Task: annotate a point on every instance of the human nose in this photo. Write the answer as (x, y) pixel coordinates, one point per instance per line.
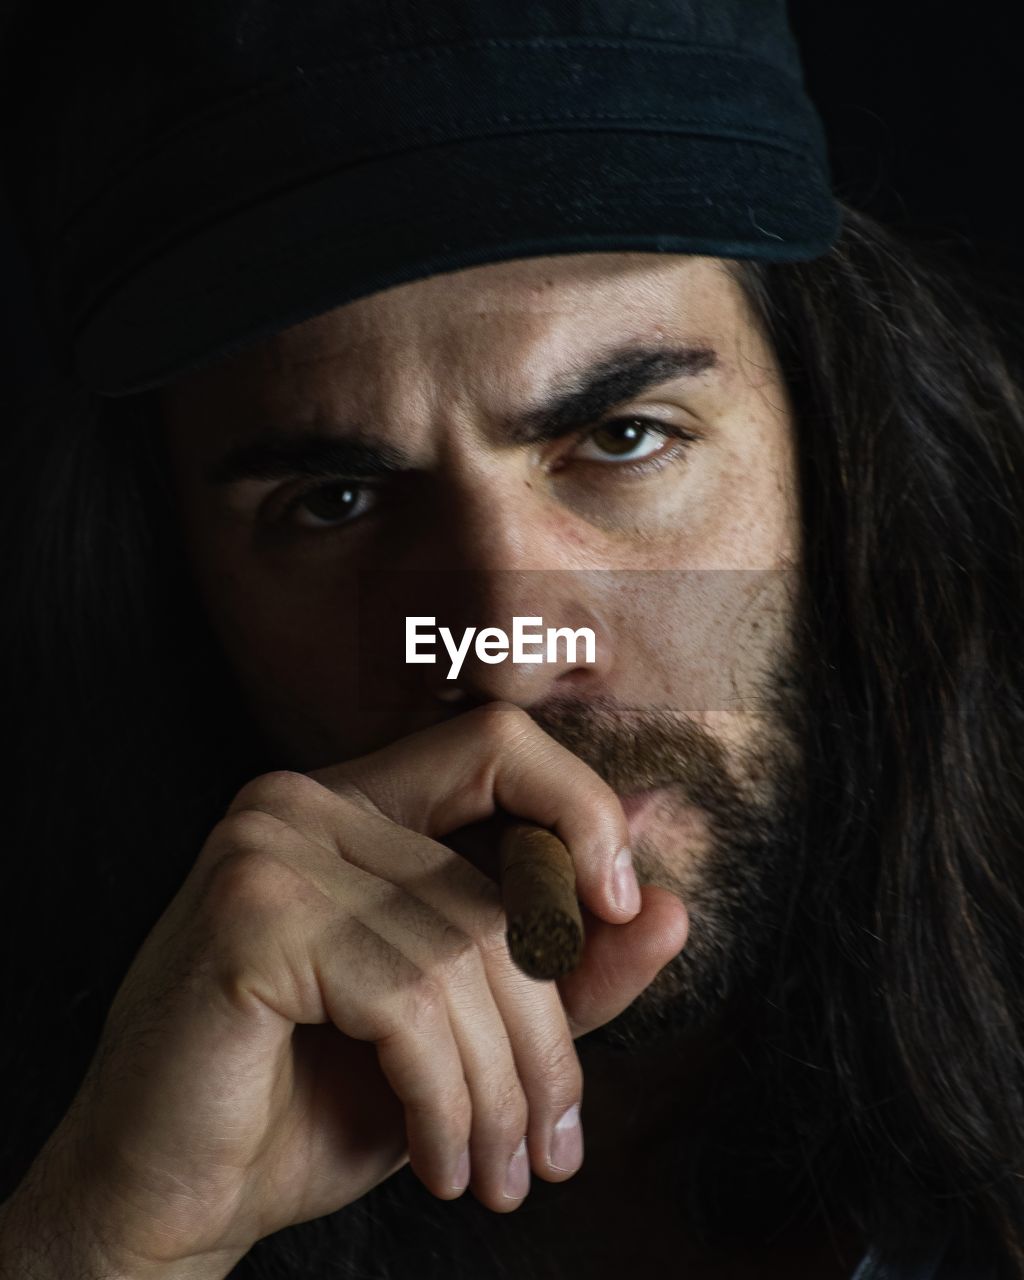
(514, 554)
(527, 634)
(496, 555)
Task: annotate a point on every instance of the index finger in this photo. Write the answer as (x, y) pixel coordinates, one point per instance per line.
(496, 757)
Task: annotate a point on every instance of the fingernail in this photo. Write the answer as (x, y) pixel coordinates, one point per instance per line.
(461, 1180)
(517, 1180)
(566, 1152)
(625, 886)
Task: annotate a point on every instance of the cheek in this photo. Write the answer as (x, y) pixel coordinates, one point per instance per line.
(707, 622)
(733, 505)
(700, 642)
(750, 516)
(292, 648)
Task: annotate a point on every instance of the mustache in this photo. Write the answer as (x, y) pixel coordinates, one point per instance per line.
(634, 749)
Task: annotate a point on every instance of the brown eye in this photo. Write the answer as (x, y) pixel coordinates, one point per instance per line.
(329, 505)
(622, 438)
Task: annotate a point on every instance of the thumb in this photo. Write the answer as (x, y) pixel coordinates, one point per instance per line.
(620, 960)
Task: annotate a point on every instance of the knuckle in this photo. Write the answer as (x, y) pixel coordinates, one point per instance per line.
(391, 996)
(424, 1001)
(344, 793)
(458, 958)
(453, 1102)
(250, 882)
(490, 937)
(278, 790)
(499, 723)
(509, 1110)
(560, 1067)
(249, 830)
(464, 951)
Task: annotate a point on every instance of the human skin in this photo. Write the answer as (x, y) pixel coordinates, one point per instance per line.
(269, 930)
(432, 370)
(679, 553)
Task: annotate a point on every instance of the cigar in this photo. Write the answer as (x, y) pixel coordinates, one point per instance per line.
(538, 887)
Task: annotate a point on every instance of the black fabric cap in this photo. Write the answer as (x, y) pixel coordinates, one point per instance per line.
(241, 166)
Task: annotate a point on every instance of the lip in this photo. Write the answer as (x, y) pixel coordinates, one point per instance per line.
(639, 806)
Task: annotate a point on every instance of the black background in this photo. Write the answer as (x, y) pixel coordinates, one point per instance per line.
(922, 105)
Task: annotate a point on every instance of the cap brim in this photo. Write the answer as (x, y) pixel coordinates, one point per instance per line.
(443, 208)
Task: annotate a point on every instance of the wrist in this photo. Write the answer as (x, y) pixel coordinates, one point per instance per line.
(37, 1243)
(47, 1234)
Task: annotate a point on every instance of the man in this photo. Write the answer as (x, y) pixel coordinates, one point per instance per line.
(752, 454)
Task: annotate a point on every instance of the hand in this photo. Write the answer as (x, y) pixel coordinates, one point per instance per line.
(330, 994)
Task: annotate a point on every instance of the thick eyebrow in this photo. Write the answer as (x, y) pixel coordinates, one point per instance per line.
(593, 391)
(311, 454)
(588, 394)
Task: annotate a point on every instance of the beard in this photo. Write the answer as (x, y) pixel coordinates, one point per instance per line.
(740, 884)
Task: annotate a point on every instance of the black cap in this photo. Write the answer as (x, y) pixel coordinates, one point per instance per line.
(211, 171)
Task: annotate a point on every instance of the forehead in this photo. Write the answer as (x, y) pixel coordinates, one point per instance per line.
(488, 329)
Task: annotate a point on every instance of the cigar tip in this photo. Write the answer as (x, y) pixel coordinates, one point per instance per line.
(546, 945)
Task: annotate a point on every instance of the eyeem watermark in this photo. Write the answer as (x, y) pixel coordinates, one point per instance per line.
(493, 645)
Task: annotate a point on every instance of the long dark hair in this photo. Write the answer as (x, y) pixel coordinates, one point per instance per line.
(911, 941)
(885, 1046)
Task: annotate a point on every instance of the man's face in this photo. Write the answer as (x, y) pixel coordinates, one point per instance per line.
(600, 440)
